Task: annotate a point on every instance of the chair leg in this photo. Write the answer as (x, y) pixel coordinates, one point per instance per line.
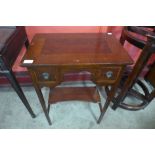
(48, 109)
(27, 44)
(151, 96)
(19, 91)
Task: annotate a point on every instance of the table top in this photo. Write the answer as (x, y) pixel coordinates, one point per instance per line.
(75, 49)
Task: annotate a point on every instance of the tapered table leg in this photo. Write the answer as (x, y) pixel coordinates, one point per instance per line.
(103, 110)
(40, 96)
(110, 95)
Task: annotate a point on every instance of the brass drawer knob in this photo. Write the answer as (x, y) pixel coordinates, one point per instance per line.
(45, 75)
(109, 74)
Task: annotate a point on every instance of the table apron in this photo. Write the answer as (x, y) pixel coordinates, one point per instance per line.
(51, 76)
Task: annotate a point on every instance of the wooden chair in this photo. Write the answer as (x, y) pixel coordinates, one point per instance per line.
(150, 77)
(12, 39)
(143, 38)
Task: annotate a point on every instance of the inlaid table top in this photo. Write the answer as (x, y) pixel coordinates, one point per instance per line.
(75, 49)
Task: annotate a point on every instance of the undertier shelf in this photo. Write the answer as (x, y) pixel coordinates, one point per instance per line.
(60, 94)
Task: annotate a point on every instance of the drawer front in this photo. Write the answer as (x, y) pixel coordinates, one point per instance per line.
(108, 74)
(45, 74)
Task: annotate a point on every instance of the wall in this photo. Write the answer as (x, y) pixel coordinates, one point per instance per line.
(32, 30)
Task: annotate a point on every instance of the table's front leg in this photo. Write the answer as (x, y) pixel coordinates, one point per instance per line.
(107, 103)
(110, 94)
(40, 95)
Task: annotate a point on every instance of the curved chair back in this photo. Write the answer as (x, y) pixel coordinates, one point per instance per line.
(143, 38)
(136, 35)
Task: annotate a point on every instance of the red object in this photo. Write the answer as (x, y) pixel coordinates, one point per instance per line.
(32, 30)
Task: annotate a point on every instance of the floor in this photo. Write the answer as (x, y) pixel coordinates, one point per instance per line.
(68, 115)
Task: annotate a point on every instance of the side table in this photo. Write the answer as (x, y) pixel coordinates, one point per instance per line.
(51, 56)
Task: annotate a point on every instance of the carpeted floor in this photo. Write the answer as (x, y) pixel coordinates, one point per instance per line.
(68, 115)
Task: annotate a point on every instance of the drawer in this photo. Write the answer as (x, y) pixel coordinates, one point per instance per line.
(99, 75)
(108, 74)
(45, 74)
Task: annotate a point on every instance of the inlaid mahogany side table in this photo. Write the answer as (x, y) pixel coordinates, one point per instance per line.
(51, 56)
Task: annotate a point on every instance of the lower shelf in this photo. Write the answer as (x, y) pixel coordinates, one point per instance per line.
(60, 94)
